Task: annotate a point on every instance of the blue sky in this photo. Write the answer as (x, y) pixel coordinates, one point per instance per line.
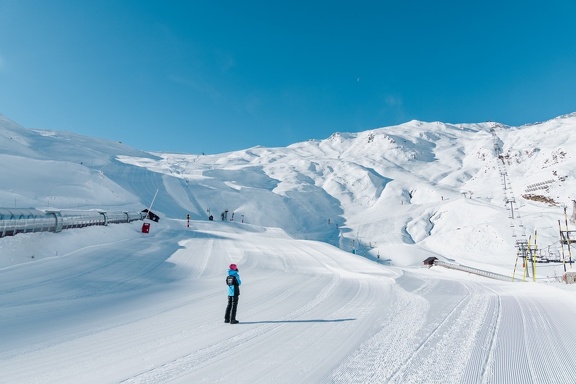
(216, 76)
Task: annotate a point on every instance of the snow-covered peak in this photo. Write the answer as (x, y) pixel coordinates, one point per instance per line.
(386, 186)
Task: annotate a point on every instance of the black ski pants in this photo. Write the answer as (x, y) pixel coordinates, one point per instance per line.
(230, 314)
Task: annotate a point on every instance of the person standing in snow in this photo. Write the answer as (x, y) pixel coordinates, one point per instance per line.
(233, 281)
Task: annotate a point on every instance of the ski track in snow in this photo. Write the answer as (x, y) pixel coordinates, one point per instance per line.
(354, 306)
(186, 363)
(151, 312)
(115, 305)
(536, 338)
(467, 338)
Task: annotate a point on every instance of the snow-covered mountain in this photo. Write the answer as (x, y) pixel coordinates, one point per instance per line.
(111, 304)
(401, 190)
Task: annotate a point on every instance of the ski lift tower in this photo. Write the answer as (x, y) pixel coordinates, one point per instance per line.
(511, 201)
(568, 238)
(565, 238)
(528, 252)
(523, 253)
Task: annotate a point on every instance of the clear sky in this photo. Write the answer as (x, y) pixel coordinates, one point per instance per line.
(215, 76)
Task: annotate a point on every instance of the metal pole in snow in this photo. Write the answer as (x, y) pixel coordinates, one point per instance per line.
(534, 256)
(526, 259)
(152, 203)
(516, 263)
(562, 245)
(568, 237)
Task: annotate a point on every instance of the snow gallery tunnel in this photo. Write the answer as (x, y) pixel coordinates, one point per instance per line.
(24, 220)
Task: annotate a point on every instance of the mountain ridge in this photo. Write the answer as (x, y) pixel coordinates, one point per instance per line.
(410, 185)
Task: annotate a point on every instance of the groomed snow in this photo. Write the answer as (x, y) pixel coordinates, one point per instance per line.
(148, 308)
(115, 305)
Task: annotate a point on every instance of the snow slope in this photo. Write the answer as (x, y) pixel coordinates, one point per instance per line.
(141, 308)
(381, 192)
(111, 304)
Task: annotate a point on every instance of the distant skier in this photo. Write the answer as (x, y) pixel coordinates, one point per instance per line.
(233, 282)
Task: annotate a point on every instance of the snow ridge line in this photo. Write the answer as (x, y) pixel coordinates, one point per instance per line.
(457, 342)
(206, 256)
(493, 330)
(428, 338)
(180, 366)
(395, 352)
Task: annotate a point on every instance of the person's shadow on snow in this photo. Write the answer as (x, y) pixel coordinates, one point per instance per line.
(296, 321)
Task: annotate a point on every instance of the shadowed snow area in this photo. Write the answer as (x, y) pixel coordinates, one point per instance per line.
(329, 236)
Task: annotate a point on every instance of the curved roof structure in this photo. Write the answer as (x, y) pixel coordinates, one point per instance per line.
(20, 213)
